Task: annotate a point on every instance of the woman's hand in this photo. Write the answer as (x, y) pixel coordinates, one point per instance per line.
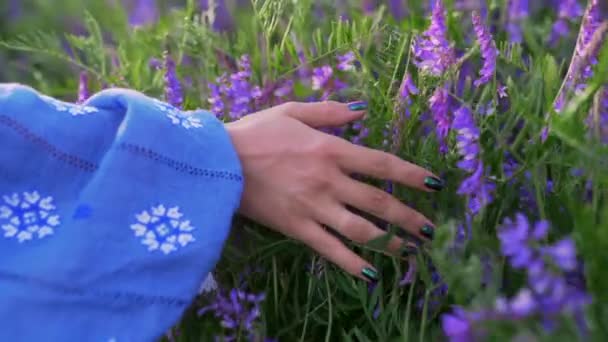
(297, 179)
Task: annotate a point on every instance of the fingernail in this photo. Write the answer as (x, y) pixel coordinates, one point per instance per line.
(434, 183)
(428, 231)
(409, 250)
(370, 273)
(356, 106)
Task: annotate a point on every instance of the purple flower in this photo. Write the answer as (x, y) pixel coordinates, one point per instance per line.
(346, 61)
(284, 89)
(476, 187)
(502, 91)
(456, 326)
(585, 54)
(321, 77)
(173, 89)
(83, 87)
(368, 6)
(548, 291)
(488, 51)
(433, 53)
(362, 133)
(215, 99)
(155, 63)
(467, 139)
(523, 304)
(518, 10)
(235, 92)
(439, 104)
(397, 9)
(407, 88)
(222, 19)
(563, 253)
(569, 10)
(237, 310)
(408, 278)
(143, 13)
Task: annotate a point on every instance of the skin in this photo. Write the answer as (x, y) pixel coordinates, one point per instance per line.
(297, 179)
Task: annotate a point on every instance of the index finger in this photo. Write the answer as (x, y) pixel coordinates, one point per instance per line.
(358, 159)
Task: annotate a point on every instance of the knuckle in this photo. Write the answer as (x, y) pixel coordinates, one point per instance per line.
(290, 106)
(380, 202)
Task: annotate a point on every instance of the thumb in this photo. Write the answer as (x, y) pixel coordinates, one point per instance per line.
(327, 113)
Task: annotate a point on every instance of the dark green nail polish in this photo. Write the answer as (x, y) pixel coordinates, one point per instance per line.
(409, 250)
(370, 273)
(428, 231)
(356, 106)
(434, 183)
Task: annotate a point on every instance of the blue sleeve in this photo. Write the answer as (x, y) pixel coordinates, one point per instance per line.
(111, 214)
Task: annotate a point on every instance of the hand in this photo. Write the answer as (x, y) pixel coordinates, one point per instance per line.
(297, 179)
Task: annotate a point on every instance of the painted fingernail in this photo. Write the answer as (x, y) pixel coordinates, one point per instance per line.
(434, 183)
(356, 106)
(370, 273)
(409, 250)
(428, 231)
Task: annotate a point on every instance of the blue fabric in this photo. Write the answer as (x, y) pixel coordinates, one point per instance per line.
(111, 214)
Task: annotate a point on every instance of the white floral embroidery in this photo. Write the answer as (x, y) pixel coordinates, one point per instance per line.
(74, 109)
(177, 117)
(209, 284)
(27, 216)
(161, 229)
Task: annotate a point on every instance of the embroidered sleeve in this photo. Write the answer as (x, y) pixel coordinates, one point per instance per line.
(112, 213)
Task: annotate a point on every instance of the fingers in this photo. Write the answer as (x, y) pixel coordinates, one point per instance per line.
(325, 114)
(381, 165)
(384, 206)
(328, 246)
(355, 227)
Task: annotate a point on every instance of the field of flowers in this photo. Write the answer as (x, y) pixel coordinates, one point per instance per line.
(505, 99)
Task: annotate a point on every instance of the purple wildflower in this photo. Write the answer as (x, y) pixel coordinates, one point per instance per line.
(397, 9)
(362, 133)
(155, 63)
(412, 268)
(284, 89)
(457, 326)
(368, 6)
(568, 10)
(173, 90)
(83, 87)
(143, 13)
(235, 92)
(488, 50)
(433, 53)
(548, 291)
(502, 92)
(238, 311)
(476, 187)
(346, 61)
(439, 106)
(222, 19)
(407, 88)
(585, 53)
(518, 10)
(321, 76)
(215, 99)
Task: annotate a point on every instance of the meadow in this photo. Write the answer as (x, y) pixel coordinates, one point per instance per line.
(507, 100)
